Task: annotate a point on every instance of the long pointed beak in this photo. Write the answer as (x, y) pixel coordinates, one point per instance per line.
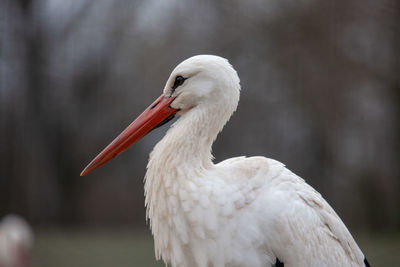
(155, 115)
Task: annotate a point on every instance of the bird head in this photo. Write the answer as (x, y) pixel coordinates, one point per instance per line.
(202, 82)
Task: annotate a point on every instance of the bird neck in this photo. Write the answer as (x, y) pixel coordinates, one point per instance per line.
(184, 154)
(189, 140)
(181, 158)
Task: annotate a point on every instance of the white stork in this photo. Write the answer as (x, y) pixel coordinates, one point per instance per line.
(16, 240)
(239, 212)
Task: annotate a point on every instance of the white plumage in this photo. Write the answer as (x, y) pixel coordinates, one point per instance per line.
(241, 211)
(16, 240)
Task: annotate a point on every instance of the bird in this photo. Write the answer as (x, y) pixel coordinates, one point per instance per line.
(243, 211)
(16, 241)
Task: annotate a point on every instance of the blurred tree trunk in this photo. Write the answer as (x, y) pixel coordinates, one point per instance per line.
(37, 134)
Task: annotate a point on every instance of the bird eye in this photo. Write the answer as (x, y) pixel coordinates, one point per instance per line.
(178, 82)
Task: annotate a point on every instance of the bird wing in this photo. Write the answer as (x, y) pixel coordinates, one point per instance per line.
(304, 229)
(300, 227)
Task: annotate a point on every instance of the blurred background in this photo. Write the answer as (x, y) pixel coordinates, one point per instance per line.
(320, 93)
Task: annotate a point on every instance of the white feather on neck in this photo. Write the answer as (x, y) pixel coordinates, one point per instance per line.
(175, 182)
(188, 141)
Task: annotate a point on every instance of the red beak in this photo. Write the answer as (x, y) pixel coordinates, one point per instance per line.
(155, 115)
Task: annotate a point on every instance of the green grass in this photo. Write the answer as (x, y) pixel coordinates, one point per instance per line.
(381, 249)
(59, 248)
(93, 248)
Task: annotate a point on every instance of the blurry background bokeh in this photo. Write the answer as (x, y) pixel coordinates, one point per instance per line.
(320, 93)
